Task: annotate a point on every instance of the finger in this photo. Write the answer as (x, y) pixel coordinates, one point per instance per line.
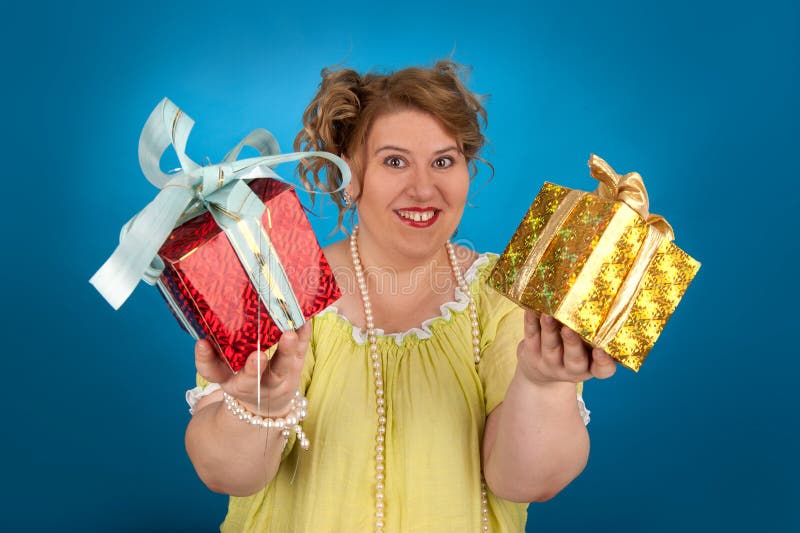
(603, 365)
(290, 349)
(552, 345)
(532, 327)
(297, 357)
(576, 357)
(255, 365)
(304, 336)
(244, 383)
(209, 364)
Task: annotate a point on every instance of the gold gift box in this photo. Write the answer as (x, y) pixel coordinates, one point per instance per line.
(599, 263)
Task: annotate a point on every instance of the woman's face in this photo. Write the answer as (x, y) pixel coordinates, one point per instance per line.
(415, 183)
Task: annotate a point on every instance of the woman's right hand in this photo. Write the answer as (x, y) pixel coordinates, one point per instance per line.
(279, 378)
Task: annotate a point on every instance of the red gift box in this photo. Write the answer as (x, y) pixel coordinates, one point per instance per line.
(209, 290)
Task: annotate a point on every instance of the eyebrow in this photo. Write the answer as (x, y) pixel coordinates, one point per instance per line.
(406, 151)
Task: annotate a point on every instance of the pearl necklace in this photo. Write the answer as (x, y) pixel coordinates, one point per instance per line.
(377, 372)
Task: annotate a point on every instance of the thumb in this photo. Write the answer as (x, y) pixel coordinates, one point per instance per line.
(210, 365)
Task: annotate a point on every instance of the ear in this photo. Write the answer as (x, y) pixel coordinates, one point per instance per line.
(353, 188)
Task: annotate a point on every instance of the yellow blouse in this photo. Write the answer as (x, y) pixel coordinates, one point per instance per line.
(437, 403)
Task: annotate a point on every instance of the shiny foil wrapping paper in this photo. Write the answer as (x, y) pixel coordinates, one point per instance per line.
(212, 296)
(597, 265)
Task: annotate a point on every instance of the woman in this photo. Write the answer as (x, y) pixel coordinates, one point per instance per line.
(433, 403)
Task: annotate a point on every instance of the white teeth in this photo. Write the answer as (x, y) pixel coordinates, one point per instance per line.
(417, 216)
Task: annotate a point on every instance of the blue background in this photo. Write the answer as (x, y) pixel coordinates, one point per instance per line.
(700, 97)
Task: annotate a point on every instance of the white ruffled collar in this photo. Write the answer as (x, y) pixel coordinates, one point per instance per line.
(424, 330)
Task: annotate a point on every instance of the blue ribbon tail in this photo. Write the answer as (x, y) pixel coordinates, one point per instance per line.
(141, 239)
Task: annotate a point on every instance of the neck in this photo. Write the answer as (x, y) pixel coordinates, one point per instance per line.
(376, 254)
(391, 273)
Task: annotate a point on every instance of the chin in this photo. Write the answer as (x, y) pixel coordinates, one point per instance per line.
(412, 242)
(423, 243)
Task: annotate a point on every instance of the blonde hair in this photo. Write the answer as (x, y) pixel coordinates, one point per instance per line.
(339, 117)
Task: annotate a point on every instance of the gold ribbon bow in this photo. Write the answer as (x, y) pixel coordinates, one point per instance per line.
(629, 189)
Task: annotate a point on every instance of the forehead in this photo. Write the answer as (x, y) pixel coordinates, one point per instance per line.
(410, 129)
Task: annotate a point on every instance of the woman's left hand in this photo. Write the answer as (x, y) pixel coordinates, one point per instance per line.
(551, 352)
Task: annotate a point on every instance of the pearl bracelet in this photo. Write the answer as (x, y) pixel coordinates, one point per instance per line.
(287, 424)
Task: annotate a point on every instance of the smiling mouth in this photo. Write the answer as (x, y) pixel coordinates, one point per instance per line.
(418, 218)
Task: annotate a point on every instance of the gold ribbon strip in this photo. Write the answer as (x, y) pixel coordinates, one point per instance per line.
(543, 242)
(630, 190)
(626, 296)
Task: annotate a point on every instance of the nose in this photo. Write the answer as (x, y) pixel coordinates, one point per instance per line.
(421, 184)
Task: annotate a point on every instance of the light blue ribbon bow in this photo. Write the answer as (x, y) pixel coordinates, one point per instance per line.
(220, 189)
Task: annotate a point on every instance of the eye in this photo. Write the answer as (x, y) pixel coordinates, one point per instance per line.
(443, 162)
(394, 161)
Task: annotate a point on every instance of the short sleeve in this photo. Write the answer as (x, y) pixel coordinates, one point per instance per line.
(502, 328)
(501, 323)
(499, 359)
(202, 388)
